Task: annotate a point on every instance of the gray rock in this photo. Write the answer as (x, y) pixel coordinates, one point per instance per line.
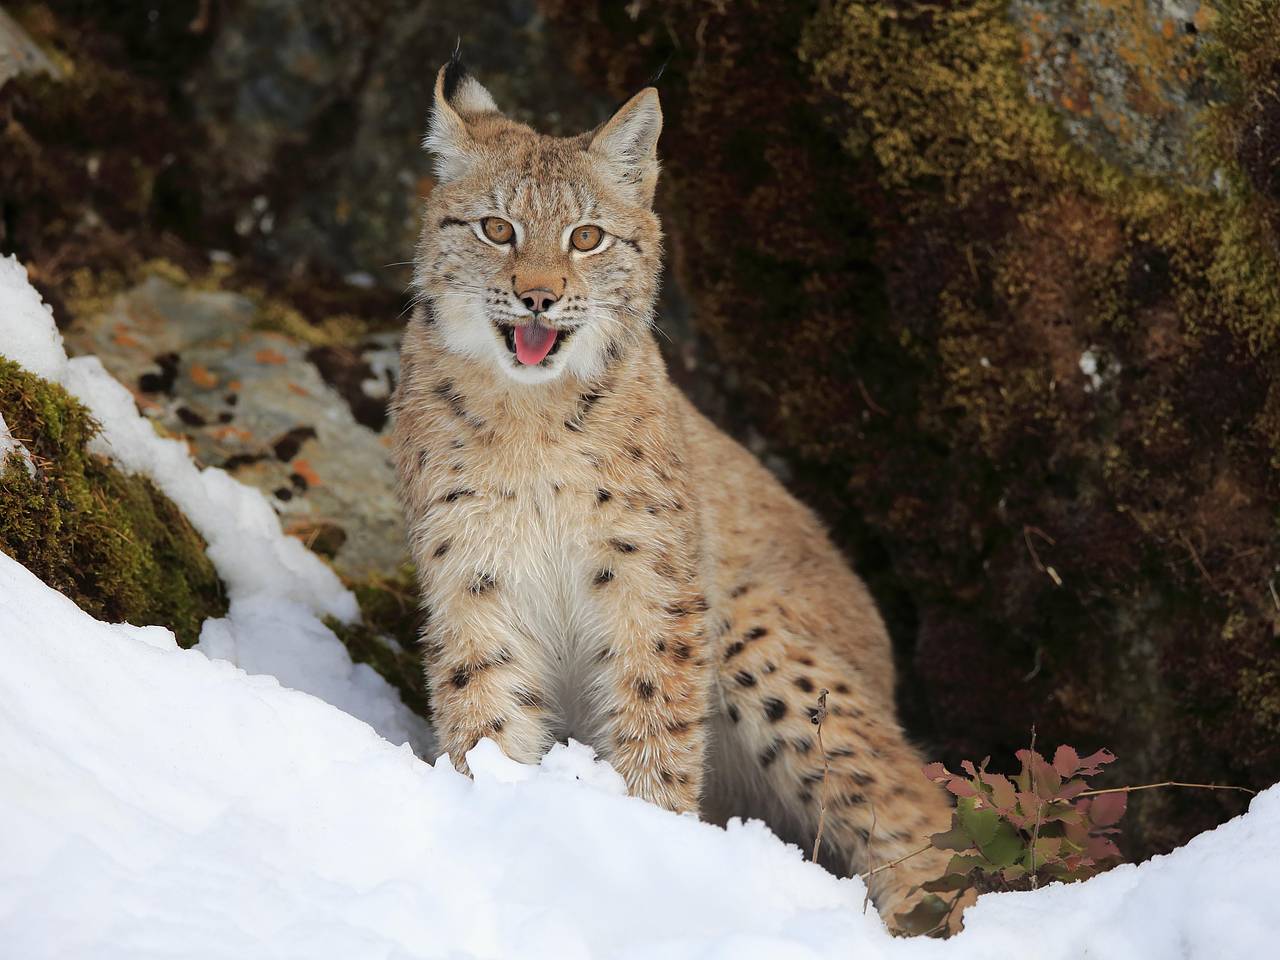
(1126, 78)
(20, 54)
(248, 400)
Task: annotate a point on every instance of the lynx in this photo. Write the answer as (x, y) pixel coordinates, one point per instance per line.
(597, 560)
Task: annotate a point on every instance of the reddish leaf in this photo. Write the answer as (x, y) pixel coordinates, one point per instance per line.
(1093, 763)
(1066, 761)
(1046, 780)
(968, 767)
(1003, 796)
(1108, 808)
(935, 771)
(961, 787)
(1100, 848)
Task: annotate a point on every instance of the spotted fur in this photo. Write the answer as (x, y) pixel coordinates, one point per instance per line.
(599, 560)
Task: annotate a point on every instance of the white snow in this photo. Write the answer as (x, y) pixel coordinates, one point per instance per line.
(155, 802)
(278, 589)
(11, 444)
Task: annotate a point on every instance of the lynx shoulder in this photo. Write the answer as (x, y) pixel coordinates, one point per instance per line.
(596, 559)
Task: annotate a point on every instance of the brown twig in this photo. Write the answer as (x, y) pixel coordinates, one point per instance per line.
(1035, 833)
(1195, 557)
(871, 834)
(1051, 573)
(893, 863)
(871, 404)
(1167, 783)
(826, 769)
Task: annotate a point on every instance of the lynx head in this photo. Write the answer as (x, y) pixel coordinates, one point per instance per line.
(539, 254)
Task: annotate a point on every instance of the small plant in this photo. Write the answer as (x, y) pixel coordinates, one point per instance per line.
(1008, 833)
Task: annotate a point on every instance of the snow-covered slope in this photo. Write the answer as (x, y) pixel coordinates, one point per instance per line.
(155, 802)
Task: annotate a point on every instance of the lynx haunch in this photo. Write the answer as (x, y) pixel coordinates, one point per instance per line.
(596, 559)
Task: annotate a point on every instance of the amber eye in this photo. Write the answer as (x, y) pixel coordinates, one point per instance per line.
(586, 238)
(497, 229)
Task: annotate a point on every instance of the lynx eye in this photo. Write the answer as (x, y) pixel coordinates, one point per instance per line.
(497, 229)
(586, 238)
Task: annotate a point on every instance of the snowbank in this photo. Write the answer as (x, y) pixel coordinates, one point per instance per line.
(155, 803)
(278, 589)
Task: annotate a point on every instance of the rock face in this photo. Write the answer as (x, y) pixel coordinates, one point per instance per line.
(315, 114)
(249, 400)
(961, 263)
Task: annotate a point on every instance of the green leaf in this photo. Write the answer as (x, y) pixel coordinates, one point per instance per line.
(924, 917)
(957, 838)
(1005, 847)
(980, 823)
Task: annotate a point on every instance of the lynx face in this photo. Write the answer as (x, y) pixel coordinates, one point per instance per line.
(539, 254)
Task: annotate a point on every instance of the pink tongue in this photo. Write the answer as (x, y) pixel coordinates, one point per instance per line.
(534, 342)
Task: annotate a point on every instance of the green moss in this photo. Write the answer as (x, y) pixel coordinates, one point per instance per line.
(386, 637)
(111, 542)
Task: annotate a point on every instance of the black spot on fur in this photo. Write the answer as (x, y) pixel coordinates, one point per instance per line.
(733, 713)
(441, 550)
(739, 591)
(622, 546)
(461, 677)
(603, 496)
(842, 688)
(770, 753)
(682, 651)
(495, 726)
(802, 745)
(774, 709)
(604, 576)
(660, 646)
(452, 222)
(755, 633)
(745, 679)
(454, 495)
(527, 698)
(805, 684)
(645, 689)
(483, 583)
(861, 778)
(635, 453)
(733, 649)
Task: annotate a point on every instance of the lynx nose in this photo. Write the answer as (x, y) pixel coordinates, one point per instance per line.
(538, 299)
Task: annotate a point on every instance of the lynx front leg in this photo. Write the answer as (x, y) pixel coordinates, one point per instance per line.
(483, 682)
(657, 682)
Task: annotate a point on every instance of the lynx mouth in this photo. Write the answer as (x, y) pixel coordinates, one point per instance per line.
(532, 343)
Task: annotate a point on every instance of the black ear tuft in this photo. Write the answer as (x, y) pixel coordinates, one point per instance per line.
(455, 71)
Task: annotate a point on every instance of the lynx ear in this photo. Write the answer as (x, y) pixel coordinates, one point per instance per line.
(628, 143)
(459, 97)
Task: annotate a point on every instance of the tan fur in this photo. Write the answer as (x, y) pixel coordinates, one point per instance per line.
(597, 560)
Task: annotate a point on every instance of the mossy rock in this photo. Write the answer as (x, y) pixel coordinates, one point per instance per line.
(386, 637)
(110, 541)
